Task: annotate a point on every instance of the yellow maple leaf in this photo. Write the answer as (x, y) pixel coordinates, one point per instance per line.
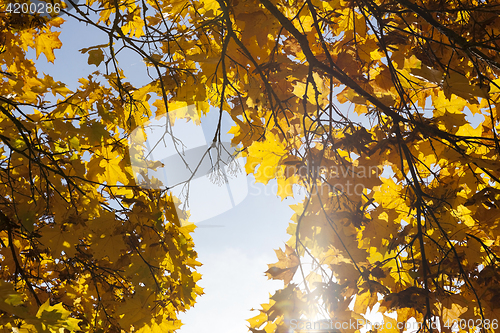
(46, 43)
(267, 154)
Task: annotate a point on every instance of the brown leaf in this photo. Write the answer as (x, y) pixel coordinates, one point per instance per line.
(286, 266)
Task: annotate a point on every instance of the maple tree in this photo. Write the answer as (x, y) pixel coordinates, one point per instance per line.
(83, 247)
(402, 209)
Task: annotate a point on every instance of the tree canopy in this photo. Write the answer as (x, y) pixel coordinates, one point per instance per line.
(384, 111)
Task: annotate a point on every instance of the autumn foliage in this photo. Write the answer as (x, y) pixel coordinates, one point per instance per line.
(384, 112)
